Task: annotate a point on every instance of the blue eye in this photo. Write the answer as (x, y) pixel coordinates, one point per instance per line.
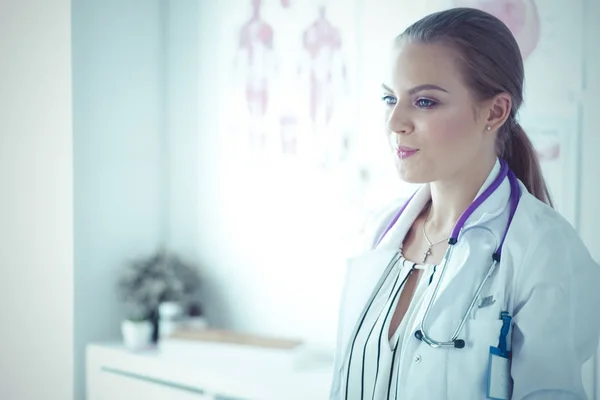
(389, 100)
(425, 103)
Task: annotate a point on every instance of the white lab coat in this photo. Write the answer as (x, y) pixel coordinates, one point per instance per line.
(546, 280)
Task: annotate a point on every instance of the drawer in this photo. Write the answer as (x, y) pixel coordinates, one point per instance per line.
(117, 385)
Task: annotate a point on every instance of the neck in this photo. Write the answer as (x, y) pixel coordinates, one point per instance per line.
(450, 198)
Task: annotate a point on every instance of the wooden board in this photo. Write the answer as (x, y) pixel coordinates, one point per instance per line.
(229, 337)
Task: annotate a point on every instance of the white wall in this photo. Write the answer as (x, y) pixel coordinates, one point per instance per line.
(270, 237)
(589, 197)
(120, 192)
(36, 215)
(182, 64)
(589, 217)
(212, 237)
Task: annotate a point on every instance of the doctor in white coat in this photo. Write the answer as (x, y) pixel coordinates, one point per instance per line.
(419, 320)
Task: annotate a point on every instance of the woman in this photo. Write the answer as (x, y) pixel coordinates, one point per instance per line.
(452, 100)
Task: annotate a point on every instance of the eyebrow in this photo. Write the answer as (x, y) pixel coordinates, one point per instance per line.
(419, 88)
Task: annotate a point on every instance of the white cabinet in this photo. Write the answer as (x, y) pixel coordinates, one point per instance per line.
(186, 372)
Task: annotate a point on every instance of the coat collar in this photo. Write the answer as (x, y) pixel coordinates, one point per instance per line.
(490, 209)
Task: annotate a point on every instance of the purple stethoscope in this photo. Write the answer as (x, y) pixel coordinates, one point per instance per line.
(515, 194)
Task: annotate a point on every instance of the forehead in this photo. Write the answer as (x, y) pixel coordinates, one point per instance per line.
(417, 64)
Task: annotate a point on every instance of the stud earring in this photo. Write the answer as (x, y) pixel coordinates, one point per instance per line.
(488, 128)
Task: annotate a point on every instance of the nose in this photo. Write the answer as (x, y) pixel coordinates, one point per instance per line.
(399, 123)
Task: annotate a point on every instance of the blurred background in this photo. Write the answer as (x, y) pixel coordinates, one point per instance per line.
(238, 141)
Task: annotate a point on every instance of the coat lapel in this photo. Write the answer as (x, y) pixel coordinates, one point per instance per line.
(366, 273)
(364, 276)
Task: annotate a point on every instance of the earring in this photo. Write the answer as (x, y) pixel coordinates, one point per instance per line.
(488, 128)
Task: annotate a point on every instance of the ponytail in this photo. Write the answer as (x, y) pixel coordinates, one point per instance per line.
(514, 146)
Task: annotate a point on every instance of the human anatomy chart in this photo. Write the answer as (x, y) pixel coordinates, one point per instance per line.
(324, 70)
(292, 77)
(255, 61)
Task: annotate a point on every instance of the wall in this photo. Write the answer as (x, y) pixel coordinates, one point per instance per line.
(268, 234)
(589, 198)
(589, 215)
(120, 195)
(36, 215)
(182, 64)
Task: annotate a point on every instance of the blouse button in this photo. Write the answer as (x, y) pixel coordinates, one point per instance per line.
(417, 359)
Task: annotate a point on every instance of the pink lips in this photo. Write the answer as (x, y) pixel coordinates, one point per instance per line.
(405, 152)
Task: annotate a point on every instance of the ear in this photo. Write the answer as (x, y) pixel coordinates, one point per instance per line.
(498, 111)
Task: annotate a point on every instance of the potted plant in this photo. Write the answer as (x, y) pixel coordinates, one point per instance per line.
(137, 327)
(148, 281)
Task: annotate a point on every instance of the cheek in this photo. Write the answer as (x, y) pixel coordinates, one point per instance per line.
(451, 130)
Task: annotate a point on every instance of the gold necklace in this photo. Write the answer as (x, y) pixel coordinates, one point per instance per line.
(429, 242)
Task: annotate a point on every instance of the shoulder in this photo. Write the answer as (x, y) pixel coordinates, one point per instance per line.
(535, 214)
(537, 226)
(379, 221)
(546, 248)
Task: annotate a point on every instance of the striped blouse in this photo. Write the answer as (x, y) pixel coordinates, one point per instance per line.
(371, 369)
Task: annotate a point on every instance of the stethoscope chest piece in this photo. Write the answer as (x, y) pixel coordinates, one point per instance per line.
(457, 343)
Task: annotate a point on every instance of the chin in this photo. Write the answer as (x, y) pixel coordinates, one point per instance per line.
(413, 176)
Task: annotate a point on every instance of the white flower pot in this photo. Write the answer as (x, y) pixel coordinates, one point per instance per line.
(136, 335)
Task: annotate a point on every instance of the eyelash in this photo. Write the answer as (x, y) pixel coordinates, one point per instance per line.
(387, 99)
(431, 103)
(391, 100)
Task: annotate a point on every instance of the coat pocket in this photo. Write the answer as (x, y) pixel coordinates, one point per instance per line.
(468, 367)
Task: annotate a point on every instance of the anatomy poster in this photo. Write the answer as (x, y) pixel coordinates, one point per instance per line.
(291, 78)
(520, 16)
(556, 139)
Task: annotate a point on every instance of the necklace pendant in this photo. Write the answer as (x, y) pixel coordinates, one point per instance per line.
(427, 254)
